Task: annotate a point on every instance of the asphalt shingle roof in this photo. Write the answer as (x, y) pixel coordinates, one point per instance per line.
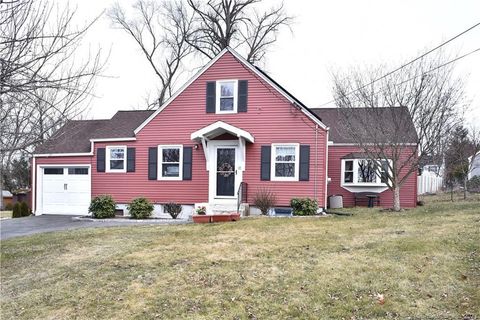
(75, 135)
(390, 124)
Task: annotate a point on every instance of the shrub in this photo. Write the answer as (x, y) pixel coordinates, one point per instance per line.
(173, 209)
(140, 208)
(17, 212)
(9, 206)
(264, 199)
(102, 207)
(24, 209)
(304, 206)
(473, 185)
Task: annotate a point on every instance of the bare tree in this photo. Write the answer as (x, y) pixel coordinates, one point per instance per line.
(235, 23)
(160, 30)
(43, 80)
(429, 94)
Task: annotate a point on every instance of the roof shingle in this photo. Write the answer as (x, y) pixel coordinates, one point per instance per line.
(75, 135)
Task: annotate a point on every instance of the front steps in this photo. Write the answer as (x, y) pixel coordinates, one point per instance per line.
(224, 208)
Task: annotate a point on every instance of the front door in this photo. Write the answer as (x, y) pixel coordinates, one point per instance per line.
(225, 171)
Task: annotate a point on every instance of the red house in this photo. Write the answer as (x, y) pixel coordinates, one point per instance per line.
(229, 131)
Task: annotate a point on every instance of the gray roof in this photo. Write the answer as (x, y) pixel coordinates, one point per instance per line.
(75, 135)
(389, 124)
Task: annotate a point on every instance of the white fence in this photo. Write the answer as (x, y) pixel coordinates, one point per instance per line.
(429, 183)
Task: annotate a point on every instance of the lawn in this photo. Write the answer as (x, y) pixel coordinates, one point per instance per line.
(422, 264)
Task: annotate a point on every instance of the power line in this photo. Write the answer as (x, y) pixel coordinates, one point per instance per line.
(408, 63)
(426, 72)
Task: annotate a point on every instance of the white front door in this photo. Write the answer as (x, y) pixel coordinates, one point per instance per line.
(225, 170)
(64, 190)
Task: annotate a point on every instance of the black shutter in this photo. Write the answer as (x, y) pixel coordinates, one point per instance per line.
(242, 95)
(265, 163)
(130, 159)
(304, 163)
(187, 163)
(101, 160)
(211, 88)
(152, 163)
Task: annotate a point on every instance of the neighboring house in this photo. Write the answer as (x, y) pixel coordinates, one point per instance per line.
(229, 128)
(7, 197)
(475, 166)
(348, 168)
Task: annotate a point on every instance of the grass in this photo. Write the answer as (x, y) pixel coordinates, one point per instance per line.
(425, 262)
(5, 214)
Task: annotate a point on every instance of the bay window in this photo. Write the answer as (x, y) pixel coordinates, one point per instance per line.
(364, 172)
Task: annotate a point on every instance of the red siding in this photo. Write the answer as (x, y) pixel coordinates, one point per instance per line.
(270, 118)
(408, 192)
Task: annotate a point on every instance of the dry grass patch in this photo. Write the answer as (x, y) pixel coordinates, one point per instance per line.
(424, 262)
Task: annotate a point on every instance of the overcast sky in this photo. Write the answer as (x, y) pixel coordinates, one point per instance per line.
(326, 35)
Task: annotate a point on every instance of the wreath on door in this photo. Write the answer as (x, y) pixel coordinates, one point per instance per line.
(225, 169)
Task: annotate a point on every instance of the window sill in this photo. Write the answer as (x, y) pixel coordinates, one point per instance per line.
(284, 179)
(170, 179)
(115, 171)
(373, 185)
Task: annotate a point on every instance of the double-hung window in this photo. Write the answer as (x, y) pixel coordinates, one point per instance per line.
(285, 160)
(170, 164)
(116, 158)
(226, 94)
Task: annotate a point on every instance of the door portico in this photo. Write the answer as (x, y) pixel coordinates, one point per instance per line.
(225, 160)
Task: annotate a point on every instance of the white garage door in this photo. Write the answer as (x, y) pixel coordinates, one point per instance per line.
(65, 190)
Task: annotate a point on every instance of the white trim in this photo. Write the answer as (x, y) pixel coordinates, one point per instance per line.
(179, 91)
(248, 65)
(34, 183)
(366, 144)
(113, 139)
(297, 162)
(38, 209)
(356, 186)
(199, 134)
(38, 155)
(107, 159)
(218, 96)
(212, 146)
(160, 161)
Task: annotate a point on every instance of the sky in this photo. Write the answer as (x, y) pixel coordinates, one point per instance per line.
(325, 36)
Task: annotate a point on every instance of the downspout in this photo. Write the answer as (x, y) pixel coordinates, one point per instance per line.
(326, 169)
(315, 193)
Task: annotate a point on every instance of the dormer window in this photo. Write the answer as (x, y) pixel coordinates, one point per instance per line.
(227, 93)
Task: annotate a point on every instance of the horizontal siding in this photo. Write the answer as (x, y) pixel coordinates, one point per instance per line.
(408, 192)
(270, 118)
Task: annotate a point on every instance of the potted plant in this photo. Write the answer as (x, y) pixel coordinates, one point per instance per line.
(201, 216)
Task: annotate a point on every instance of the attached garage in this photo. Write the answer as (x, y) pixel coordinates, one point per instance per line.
(64, 190)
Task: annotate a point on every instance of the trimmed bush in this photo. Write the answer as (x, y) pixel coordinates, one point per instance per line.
(17, 212)
(102, 207)
(9, 206)
(24, 209)
(304, 206)
(264, 200)
(173, 209)
(140, 208)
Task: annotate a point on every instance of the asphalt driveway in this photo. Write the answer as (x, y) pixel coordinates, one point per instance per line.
(10, 228)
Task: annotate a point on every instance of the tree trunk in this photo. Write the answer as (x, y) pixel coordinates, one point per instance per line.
(451, 193)
(464, 189)
(396, 199)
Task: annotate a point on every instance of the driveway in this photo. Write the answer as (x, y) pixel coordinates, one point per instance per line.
(10, 228)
